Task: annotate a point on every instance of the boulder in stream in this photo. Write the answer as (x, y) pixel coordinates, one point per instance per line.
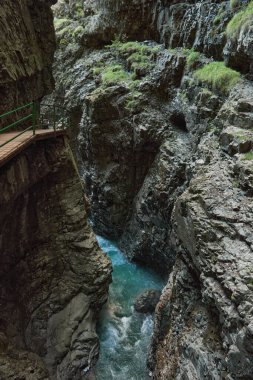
(147, 301)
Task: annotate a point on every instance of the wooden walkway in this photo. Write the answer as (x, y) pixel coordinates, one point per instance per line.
(16, 146)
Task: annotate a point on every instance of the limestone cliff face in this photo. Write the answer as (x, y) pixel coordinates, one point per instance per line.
(54, 277)
(167, 160)
(27, 43)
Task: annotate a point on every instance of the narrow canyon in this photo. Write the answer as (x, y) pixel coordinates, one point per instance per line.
(126, 243)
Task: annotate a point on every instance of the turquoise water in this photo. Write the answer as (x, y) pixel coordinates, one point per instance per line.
(124, 334)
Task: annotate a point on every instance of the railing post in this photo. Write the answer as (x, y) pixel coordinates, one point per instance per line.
(34, 116)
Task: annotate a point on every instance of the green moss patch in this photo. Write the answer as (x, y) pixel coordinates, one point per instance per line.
(140, 57)
(114, 74)
(218, 76)
(68, 31)
(130, 47)
(241, 19)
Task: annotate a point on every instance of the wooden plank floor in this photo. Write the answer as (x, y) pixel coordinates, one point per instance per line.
(14, 147)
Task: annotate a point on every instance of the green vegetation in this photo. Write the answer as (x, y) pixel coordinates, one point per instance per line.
(218, 19)
(130, 47)
(218, 76)
(241, 19)
(192, 58)
(59, 22)
(67, 31)
(244, 135)
(133, 100)
(248, 156)
(77, 8)
(140, 57)
(78, 31)
(114, 74)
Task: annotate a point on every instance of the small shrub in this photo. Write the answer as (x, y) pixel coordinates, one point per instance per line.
(240, 19)
(218, 76)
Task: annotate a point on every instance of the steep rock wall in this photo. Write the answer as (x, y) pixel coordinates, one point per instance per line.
(54, 277)
(27, 41)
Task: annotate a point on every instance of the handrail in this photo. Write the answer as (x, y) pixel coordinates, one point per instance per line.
(34, 114)
(16, 109)
(16, 122)
(31, 115)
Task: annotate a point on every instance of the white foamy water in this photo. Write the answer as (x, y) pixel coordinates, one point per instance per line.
(124, 334)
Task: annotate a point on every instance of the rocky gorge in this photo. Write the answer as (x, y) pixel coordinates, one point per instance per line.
(159, 94)
(159, 101)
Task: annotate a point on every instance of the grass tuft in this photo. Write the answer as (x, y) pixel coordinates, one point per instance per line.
(240, 20)
(114, 74)
(218, 76)
(192, 59)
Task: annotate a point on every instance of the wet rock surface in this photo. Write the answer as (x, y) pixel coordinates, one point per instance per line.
(28, 43)
(54, 277)
(147, 301)
(167, 161)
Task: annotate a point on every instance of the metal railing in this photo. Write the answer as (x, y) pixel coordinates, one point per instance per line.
(35, 116)
(31, 115)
